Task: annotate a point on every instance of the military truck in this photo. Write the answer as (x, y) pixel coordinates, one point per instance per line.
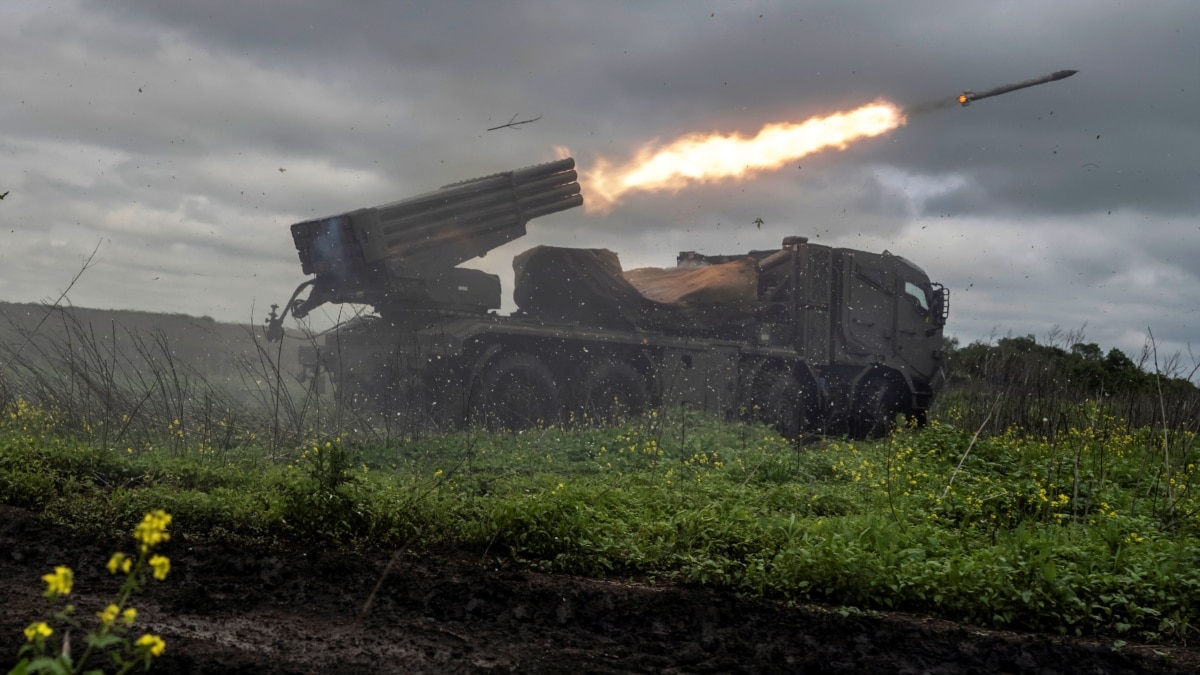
(806, 337)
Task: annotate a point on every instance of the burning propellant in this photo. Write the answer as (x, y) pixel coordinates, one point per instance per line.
(965, 98)
(715, 156)
(701, 158)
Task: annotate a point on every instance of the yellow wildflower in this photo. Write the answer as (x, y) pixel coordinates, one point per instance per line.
(153, 529)
(109, 615)
(151, 643)
(59, 582)
(129, 616)
(161, 564)
(38, 630)
(119, 563)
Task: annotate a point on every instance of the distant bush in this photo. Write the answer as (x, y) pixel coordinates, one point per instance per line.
(1019, 382)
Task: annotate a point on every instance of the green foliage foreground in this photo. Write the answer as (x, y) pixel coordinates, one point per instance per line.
(1095, 531)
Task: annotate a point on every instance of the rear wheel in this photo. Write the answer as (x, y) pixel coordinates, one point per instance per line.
(608, 392)
(777, 398)
(516, 391)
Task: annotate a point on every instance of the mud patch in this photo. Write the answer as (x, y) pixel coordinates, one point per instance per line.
(233, 610)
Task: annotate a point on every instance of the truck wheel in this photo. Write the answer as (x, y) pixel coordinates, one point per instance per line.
(780, 401)
(373, 391)
(516, 391)
(385, 393)
(875, 408)
(611, 391)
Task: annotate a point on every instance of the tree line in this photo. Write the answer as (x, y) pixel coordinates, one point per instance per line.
(1045, 385)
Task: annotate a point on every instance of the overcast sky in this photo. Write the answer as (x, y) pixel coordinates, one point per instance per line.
(158, 130)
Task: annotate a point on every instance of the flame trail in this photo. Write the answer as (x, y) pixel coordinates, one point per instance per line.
(711, 157)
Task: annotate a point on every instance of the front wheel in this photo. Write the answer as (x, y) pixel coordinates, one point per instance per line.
(876, 406)
(516, 391)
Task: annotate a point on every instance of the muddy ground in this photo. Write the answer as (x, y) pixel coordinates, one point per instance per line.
(233, 610)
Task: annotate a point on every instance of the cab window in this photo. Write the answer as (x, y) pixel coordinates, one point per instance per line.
(918, 294)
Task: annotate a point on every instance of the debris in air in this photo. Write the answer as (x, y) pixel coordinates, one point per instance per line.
(513, 124)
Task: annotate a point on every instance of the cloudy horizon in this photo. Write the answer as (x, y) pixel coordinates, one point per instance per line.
(185, 138)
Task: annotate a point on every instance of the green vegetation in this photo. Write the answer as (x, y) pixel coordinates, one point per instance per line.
(1094, 529)
(1020, 382)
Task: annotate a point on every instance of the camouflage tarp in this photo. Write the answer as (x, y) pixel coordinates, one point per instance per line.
(588, 286)
(731, 283)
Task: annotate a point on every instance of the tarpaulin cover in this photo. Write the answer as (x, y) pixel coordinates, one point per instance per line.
(731, 283)
(587, 286)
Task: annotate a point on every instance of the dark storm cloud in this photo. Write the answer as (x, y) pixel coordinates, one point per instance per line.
(636, 71)
(163, 126)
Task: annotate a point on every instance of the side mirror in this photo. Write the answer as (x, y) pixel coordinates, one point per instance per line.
(940, 308)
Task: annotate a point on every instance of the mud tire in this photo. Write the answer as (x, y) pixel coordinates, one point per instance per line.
(876, 405)
(515, 391)
(779, 400)
(608, 392)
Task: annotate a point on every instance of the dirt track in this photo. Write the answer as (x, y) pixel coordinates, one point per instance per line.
(235, 611)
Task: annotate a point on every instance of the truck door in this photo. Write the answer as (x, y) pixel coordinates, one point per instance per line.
(869, 291)
(918, 330)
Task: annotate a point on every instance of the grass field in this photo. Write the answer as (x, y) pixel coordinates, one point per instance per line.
(1095, 531)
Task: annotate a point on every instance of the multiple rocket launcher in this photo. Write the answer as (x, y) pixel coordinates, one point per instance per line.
(438, 229)
(407, 252)
(435, 352)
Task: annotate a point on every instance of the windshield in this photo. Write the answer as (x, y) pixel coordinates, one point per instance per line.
(918, 295)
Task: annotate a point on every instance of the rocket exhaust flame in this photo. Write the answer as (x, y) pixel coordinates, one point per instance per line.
(702, 158)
